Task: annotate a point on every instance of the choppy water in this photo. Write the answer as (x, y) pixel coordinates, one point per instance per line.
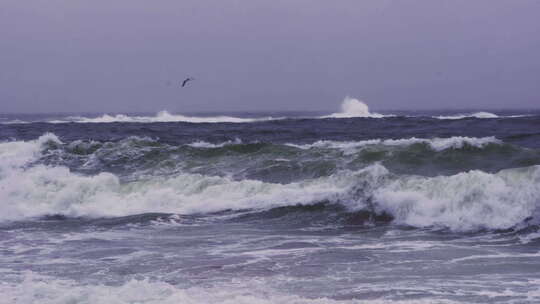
(352, 207)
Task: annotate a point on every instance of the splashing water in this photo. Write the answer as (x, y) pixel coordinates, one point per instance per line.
(352, 107)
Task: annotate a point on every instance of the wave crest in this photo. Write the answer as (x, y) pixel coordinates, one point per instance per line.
(36, 288)
(352, 107)
(472, 115)
(466, 201)
(437, 144)
(162, 116)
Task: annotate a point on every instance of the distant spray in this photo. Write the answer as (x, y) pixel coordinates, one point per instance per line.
(352, 107)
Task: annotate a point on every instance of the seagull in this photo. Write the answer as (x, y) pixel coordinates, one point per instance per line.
(186, 81)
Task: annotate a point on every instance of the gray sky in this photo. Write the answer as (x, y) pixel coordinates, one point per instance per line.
(119, 55)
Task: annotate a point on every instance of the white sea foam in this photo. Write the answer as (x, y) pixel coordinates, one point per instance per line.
(35, 288)
(502, 256)
(437, 144)
(14, 122)
(477, 115)
(466, 201)
(352, 107)
(535, 236)
(15, 154)
(471, 115)
(40, 190)
(162, 116)
(44, 190)
(204, 144)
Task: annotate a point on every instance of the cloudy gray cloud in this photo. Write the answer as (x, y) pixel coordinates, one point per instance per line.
(122, 55)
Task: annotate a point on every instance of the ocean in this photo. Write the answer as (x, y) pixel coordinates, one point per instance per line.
(349, 207)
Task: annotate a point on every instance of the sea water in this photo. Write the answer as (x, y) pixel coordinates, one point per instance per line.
(349, 207)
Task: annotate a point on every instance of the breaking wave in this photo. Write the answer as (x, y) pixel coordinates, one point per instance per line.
(33, 288)
(14, 122)
(477, 115)
(437, 144)
(204, 144)
(162, 116)
(352, 107)
(473, 115)
(466, 201)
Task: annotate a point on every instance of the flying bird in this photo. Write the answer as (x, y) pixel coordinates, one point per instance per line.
(186, 81)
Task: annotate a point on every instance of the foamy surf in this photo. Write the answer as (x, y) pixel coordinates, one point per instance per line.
(204, 144)
(437, 144)
(162, 116)
(352, 107)
(471, 115)
(34, 288)
(398, 210)
(480, 115)
(467, 201)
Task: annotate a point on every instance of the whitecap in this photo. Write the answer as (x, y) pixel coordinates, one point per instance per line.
(204, 144)
(162, 116)
(471, 115)
(437, 144)
(467, 201)
(352, 107)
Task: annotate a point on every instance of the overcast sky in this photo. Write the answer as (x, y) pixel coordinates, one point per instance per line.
(250, 55)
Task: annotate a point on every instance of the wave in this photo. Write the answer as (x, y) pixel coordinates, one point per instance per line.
(40, 190)
(478, 115)
(33, 287)
(36, 288)
(437, 144)
(14, 122)
(204, 144)
(162, 116)
(466, 201)
(352, 107)
(472, 115)
(288, 162)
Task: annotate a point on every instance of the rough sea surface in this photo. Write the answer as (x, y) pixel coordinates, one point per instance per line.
(350, 207)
